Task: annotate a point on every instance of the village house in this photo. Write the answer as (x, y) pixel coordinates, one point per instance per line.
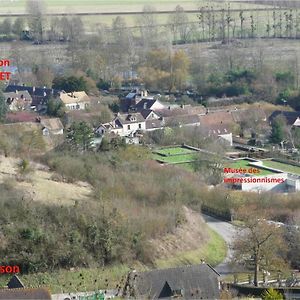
(219, 125)
(123, 125)
(51, 126)
(31, 121)
(40, 96)
(139, 100)
(187, 282)
(18, 101)
(75, 100)
(292, 117)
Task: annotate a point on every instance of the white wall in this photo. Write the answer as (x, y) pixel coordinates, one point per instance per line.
(259, 186)
(77, 106)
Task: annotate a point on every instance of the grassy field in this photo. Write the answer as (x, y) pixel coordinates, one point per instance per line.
(18, 6)
(281, 166)
(66, 281)
(213, 253)
(244, 164)
(174, 159)
(174, 151)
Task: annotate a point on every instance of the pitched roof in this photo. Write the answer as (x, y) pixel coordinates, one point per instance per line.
(185, 110)
(217, 122)
(182, 120)
(33, 91)
(74, 97)
(146, 112)
(290, 116)
(130, 118)
(52, 124)
(145, 104)
(245, 114)
(19, 95)
(24, 293)
(15, 282)
(196, 281)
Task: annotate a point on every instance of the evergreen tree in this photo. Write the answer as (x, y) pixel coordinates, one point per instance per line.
(277, 134)
(79, 136)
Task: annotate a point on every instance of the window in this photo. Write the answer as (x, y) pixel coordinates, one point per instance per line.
(128, 127)
(140, 126)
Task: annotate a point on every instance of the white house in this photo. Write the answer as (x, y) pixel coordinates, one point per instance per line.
(75, 100)
(123, 125)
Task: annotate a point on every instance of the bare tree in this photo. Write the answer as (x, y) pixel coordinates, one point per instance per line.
(259, 242)
(179, 24)
(36, 21)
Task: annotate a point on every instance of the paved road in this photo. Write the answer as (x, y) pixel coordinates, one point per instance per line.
(228, 233)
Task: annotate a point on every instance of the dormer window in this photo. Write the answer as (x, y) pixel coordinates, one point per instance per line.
(132, 119)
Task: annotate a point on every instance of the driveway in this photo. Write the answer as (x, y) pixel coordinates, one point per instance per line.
(228, 232)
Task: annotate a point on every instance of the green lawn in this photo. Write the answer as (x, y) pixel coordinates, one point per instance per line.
(174, 159)
(65, 281)
(243, 163)
(214, 252)
(174, 151)
(281, 166)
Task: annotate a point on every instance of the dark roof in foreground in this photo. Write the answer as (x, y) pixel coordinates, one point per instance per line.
(15, 282)
(26, 294)
(191, 282)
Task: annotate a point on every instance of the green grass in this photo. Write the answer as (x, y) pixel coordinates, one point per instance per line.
(65, 281)
(174, 151)
(214, 252)
(174, 159)
(281, 166)
(244, 164)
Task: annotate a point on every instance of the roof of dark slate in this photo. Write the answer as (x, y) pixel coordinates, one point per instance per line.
(196, 281)
(34, 92)
(15, 282)
(146, 112)
(144, 104)
(290, 116)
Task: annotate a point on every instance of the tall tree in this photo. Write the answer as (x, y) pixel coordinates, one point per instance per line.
(79, 136)
(179, 24)
(277, 134)
(36, 21)
(259, 241)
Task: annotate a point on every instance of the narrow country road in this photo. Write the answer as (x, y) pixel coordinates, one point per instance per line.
(228, 232)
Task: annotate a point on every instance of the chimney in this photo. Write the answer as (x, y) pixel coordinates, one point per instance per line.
(33, 88)
(145, 105)
(17, 92)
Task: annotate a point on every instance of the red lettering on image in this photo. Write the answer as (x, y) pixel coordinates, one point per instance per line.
(4, 75)
(9, 269)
